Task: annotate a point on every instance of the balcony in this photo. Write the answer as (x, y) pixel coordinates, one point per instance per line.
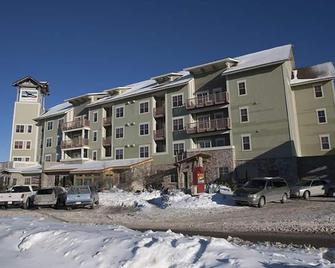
(159, 134)
(107, 121)
(220, 124)
(219, 98)
(107, 141)
(74, 143)
(159, 111)
(82, 123)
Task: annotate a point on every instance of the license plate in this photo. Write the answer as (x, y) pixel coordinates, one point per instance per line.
(78, 203)
(10, 202)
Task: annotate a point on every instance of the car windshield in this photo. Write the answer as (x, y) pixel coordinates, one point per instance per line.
(44, 191)
(255, 184)
(304, 183)
(79, 190)
(20, 189)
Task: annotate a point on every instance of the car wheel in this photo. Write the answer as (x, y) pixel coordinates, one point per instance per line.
(261, 202)
(330, 192)
(92, 206)
(284, 198)
(97, 202)
(306, 195)
(26, 204)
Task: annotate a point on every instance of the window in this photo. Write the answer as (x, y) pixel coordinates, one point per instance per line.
(177, 101)
(246, 142)
(242, 89)
(19, 129)
(278, 183)
(119, 112)
(223, 171)
(144, 107)
(28, 145)
(174, 177)
(49, 125)
(119, 153)
(48, 158)
(14, 181)
(244, 115)
(29, 128)
(48, 142)
(222, 141)
(322, 116)
(204, 144)
(95, 135)
(18, 144)
(325, 142)
(94, 155)
(144, 151)
(60, 122)
(178, 148)
(119, 132)
(95, 117)
(144, 129)
(178, 124)
(19, 159)
(85, 153)
(27, 159)
(318, 92)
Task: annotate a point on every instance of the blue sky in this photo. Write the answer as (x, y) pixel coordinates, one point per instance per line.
(84, 46)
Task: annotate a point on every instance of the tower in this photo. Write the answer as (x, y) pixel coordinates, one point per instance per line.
(29, 105)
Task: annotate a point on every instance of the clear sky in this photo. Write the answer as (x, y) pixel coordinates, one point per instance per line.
(86, 46)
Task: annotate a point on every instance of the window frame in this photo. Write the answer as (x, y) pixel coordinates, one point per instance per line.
(178, 143)
(143, 147)
(19, 127)
(47, 156)
(94, 117)
(204, 141)
(178, 118)
(52, 125)
(95, 155)
(123, 111)
(46, 142)
(245, 87)
(139, 129)
(248, 117)
(321, 90)
(119, 149)
(182, 100)
(117, 128)
(18, 148)
(242, 142)
(321, 144)
(95, 136)
(325, 116)
(139, 107)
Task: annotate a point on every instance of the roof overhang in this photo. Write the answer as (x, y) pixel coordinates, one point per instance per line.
(300, 82)
(212, 66)
(42, 85)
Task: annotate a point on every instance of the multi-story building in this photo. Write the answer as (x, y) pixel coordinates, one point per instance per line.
(246, 116)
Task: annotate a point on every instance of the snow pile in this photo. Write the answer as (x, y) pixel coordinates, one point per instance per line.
(25, 242)
(120, 198)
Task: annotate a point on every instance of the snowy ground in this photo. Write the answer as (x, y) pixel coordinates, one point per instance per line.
(176, 200)
(30, 242)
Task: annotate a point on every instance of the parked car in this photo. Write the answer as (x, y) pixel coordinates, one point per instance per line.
(311, 187)
(51, 196)
(19, 195)
(82, 196)
(259, 191)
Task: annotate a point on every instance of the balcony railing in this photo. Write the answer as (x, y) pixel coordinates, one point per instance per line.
(159, 111)
(74, 143)
(208, 126)
(76, 124)
(107, 141)
(207, 101)
(107, 121)
(159, 134)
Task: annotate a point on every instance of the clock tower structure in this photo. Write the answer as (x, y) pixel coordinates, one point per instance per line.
(29, 105)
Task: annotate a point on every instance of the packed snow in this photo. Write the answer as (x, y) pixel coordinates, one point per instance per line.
(177, 199)
(28, 242)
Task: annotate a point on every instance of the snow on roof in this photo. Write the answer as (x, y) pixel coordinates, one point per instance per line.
(261, 58)
(97, 165)
(56, 110)
(25, 170)
(315, 73)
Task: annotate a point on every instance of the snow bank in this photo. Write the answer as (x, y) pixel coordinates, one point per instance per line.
(27, 242)
(119, 198)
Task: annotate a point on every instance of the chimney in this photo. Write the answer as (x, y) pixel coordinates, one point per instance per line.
(295, 74)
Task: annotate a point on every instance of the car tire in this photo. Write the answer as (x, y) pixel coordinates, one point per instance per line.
(97, 202)
(261, 202)
(330, 192)
(306, 195)
(92, 206)
(284, 198)
(26, 204)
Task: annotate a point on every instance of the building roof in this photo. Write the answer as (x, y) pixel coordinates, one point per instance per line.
(56, 110)
(97, 165)
(43, 85)
(37, 169)
(262, 58)
(312, 74)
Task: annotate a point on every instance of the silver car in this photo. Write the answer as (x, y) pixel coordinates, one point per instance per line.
(309, 187)
(259, 191)
(82, 196)
(50, 197)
